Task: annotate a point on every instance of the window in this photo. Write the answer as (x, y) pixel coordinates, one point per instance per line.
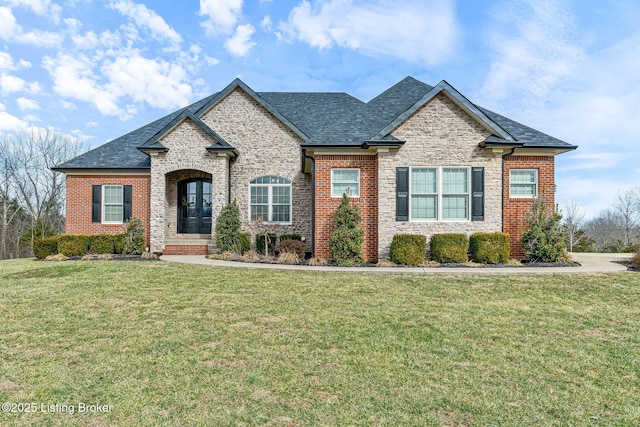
(112, 204)
(439, 193)
(345, 181)
(270, 199)
(523, 183)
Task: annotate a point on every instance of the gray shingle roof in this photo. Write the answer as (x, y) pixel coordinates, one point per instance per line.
(320, 119)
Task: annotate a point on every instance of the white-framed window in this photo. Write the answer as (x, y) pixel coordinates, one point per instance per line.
(112, 204)
(270, 199)
(523, 183)
(439, 194)
(345, 181)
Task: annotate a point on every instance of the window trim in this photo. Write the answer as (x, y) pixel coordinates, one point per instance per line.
(270, 204)
(439, 194)
(536, 183)
(351, 196)
(103, 203)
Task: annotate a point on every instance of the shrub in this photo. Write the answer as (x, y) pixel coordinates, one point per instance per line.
(42, 248)
(243, 244)
(636, 259)
(543, 240)
(118, 242)
(288, 257)
(449, 248)
(489, 248)
(134, 238)
(290, 236)
(347, 235)
(73, 244)
(101, 244)
(228, 228)
(292, 247)
(266, 240)
(408, 249)
(251, 256)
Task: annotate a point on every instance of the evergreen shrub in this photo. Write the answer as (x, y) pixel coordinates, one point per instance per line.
(449, 248)
(265, 240)
(408, 249)
(489, 248)
(228, 228)
(347, 236)
(134, 239)
(73, 244)
(101, 244)
(43, 248)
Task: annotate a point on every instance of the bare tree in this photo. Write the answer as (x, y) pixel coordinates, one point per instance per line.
(29, 185)
(607, 231)
(572, 218)
(626, 206)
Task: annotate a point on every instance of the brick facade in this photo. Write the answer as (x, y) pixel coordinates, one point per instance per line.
(79, 188)
(516, 209)
(325, 205)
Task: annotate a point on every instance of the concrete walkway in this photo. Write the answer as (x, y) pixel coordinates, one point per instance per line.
(590, 263)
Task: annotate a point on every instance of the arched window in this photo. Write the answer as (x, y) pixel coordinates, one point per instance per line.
(270, 199)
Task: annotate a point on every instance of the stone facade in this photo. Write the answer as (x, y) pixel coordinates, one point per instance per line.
(266, 146)
(438, 134)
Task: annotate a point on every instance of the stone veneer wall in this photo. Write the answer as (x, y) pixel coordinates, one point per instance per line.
(516, 209)
(438, 134)
(325, 205)
(266, 146)
(79, 189)
(187, 144)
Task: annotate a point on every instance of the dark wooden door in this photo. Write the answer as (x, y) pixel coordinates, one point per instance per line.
(194, 206)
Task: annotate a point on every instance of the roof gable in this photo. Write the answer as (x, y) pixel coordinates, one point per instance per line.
(459, 99)
(237, 83)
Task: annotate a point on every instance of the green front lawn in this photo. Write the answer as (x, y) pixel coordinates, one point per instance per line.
(170, 344)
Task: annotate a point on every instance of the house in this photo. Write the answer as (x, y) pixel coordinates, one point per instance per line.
(416, 159)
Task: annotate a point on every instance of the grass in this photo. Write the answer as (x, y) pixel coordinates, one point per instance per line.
(172, 345)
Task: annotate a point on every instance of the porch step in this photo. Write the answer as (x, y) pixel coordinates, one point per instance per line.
(186, 249)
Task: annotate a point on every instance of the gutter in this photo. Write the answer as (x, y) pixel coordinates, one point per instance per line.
(313, 199)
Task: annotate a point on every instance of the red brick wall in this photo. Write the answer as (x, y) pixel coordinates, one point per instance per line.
(516, 209)
(325, 205)
(78, 220)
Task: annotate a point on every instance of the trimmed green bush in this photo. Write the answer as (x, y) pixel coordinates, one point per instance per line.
(43, 248)
(290, 236)
(449, 248)
(134, 239)
(292, 246)
(347, 236)
(408, 249)
(73, 244)
(489, 248)
(266, 239)
(118, 243)
(228, 228)
(101, 244)
(244, 243)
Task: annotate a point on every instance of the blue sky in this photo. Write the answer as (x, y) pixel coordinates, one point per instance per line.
(99, 69)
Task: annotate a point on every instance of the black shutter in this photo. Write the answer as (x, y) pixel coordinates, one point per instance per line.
(402, 194)
(126, 203)
(96, 193)
(477, 194)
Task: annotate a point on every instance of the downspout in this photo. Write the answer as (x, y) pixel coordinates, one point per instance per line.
(313, 200)
(513, 149)
(232, 159)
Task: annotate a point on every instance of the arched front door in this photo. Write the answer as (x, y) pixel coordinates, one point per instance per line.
(194, 206)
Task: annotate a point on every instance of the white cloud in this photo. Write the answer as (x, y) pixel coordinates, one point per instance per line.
(240, 43)
(9, 122)
(221, 15)
(421, 31)
(266, 23)
(11, 84)
(534, 49)
(148, 19)
(26, 104)
(39, 7)
(10, 30)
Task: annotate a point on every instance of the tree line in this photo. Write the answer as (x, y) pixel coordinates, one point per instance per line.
(614, 229)
(31, 194)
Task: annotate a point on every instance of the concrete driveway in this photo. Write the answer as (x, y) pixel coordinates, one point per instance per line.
(590, 263)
